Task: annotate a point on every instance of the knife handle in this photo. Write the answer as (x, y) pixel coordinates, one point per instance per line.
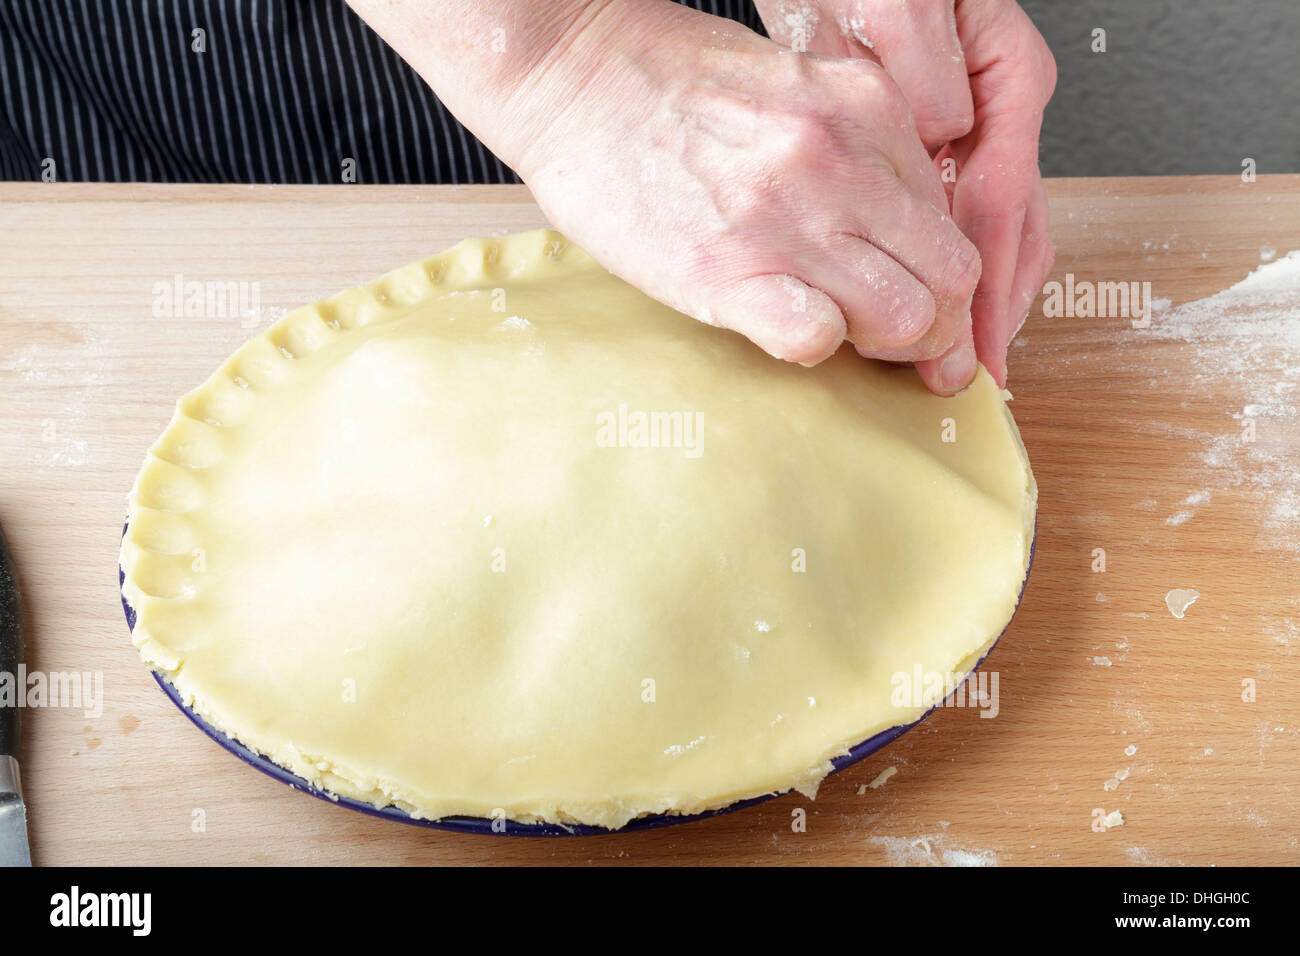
(11, 648)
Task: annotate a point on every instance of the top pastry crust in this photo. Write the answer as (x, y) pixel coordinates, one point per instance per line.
(497, 533)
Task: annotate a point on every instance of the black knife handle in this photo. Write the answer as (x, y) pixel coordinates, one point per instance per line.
(11, 649)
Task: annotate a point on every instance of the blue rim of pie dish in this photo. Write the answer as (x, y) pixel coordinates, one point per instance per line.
(503, 827)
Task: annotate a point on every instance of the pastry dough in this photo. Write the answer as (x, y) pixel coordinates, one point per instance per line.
(416, 544)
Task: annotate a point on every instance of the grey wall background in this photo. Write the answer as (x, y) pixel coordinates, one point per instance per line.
(1186, 86)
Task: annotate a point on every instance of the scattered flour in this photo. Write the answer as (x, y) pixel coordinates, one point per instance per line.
(1256, 818)
(968, 858)
(1189, 509)
(931, 851)
(1144, 857)
(854, 28)
(1249, 335)
(76, 372)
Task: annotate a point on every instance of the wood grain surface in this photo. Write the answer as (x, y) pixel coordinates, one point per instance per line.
(1137, 437)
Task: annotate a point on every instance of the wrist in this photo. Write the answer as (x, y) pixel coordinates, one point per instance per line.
(607, 77)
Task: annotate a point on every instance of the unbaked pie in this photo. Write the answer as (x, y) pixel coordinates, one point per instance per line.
(497, 534)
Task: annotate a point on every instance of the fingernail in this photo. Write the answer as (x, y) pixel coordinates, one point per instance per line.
(957, 369)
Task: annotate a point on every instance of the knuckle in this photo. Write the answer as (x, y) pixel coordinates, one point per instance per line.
(874, 89)
(703, 261)
(963, 119)
(961, 272)
(892, 105)
(808, 346)
(952, 124)
(909, 322)
(899, 314)
(810, 340)
(808, 137)
(713, 261)
(716, 258)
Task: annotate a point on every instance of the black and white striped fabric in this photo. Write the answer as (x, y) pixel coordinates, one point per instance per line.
(285, 92)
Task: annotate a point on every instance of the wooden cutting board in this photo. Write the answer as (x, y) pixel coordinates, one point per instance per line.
(1107, 701)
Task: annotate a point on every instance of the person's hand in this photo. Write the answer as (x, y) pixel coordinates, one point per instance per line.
(977, 76)
(782, 195)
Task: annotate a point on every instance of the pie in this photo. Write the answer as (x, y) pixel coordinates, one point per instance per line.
(498, 535)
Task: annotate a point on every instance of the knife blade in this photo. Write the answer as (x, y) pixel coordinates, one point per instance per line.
(14, 850)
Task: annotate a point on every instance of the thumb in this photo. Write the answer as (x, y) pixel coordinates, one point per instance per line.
(782, 315)
(954, 370)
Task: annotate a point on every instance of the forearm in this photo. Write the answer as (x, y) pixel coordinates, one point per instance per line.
(501, 66)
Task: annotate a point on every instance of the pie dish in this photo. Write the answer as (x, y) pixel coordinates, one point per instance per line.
(499, 536)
